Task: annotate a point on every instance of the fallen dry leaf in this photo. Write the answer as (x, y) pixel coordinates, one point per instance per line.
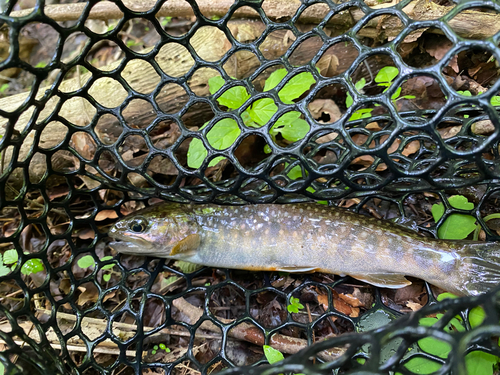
(450, 131)
(106, 214)
(350, 299)
(321, 108)
(323, 300)
(414, 306)
(89, 293)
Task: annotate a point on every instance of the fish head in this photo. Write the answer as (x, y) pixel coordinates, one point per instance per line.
(159, 231)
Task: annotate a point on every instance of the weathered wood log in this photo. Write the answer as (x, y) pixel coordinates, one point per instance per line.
(468, 24)
(174, 60)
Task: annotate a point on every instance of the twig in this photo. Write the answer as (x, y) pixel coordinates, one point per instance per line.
(125, 326)
(77, 348)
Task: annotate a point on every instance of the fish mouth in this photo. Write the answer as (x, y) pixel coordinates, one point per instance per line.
(128, 247)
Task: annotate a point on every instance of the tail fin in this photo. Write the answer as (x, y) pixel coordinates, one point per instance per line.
(481, 266)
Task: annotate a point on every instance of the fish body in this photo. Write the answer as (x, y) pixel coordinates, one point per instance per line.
(307, 238)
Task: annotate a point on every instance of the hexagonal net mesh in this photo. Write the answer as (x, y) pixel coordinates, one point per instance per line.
(388, 108)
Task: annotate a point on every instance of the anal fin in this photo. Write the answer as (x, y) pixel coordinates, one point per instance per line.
(384, 280)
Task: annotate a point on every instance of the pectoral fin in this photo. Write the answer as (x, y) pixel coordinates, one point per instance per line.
(186, 245)
(293, 269)
(384, 280)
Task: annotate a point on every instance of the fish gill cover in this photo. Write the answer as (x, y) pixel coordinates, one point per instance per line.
(387, 108)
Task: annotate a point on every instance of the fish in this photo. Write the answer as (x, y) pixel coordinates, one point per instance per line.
(305, 238)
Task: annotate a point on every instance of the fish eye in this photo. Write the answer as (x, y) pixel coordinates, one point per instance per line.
(138, 225)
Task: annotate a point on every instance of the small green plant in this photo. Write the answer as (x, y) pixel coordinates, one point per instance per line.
(88, 261)
(477, 362)
(161, 347)
(294, 305)
(456, 226)
(384, 78)
(4, 88)
(165, 21)
(8, 263)
(225, 132)
(131, 43)
(273, 356)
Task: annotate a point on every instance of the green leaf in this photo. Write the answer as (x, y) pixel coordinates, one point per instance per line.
(107, 266)
(386, 74)
(295, 87)
(456, 226)
(215, 161)
(476, 316)
(272, 355)
(446, 295)
(274, 79)
(348, 100)
(480, 363)
(196, 153)
(215, 83)
(291, 127)
(295, 173)
(10, 256)
(232, 98)
(86, 261)
(247, 120)
(360, 84)
(106, 277)
(361, 113)
(32, 266)
(465, 93)
(495, 101)
(223, 134)
(294, 305)
(4, 87)
(262, 110)
(421, 365)
(4, 270)
(187, 267)
(396, 94)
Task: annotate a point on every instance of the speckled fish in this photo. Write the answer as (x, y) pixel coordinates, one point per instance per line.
(307, 238)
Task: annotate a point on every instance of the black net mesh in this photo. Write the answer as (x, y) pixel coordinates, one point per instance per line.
(386, 108)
